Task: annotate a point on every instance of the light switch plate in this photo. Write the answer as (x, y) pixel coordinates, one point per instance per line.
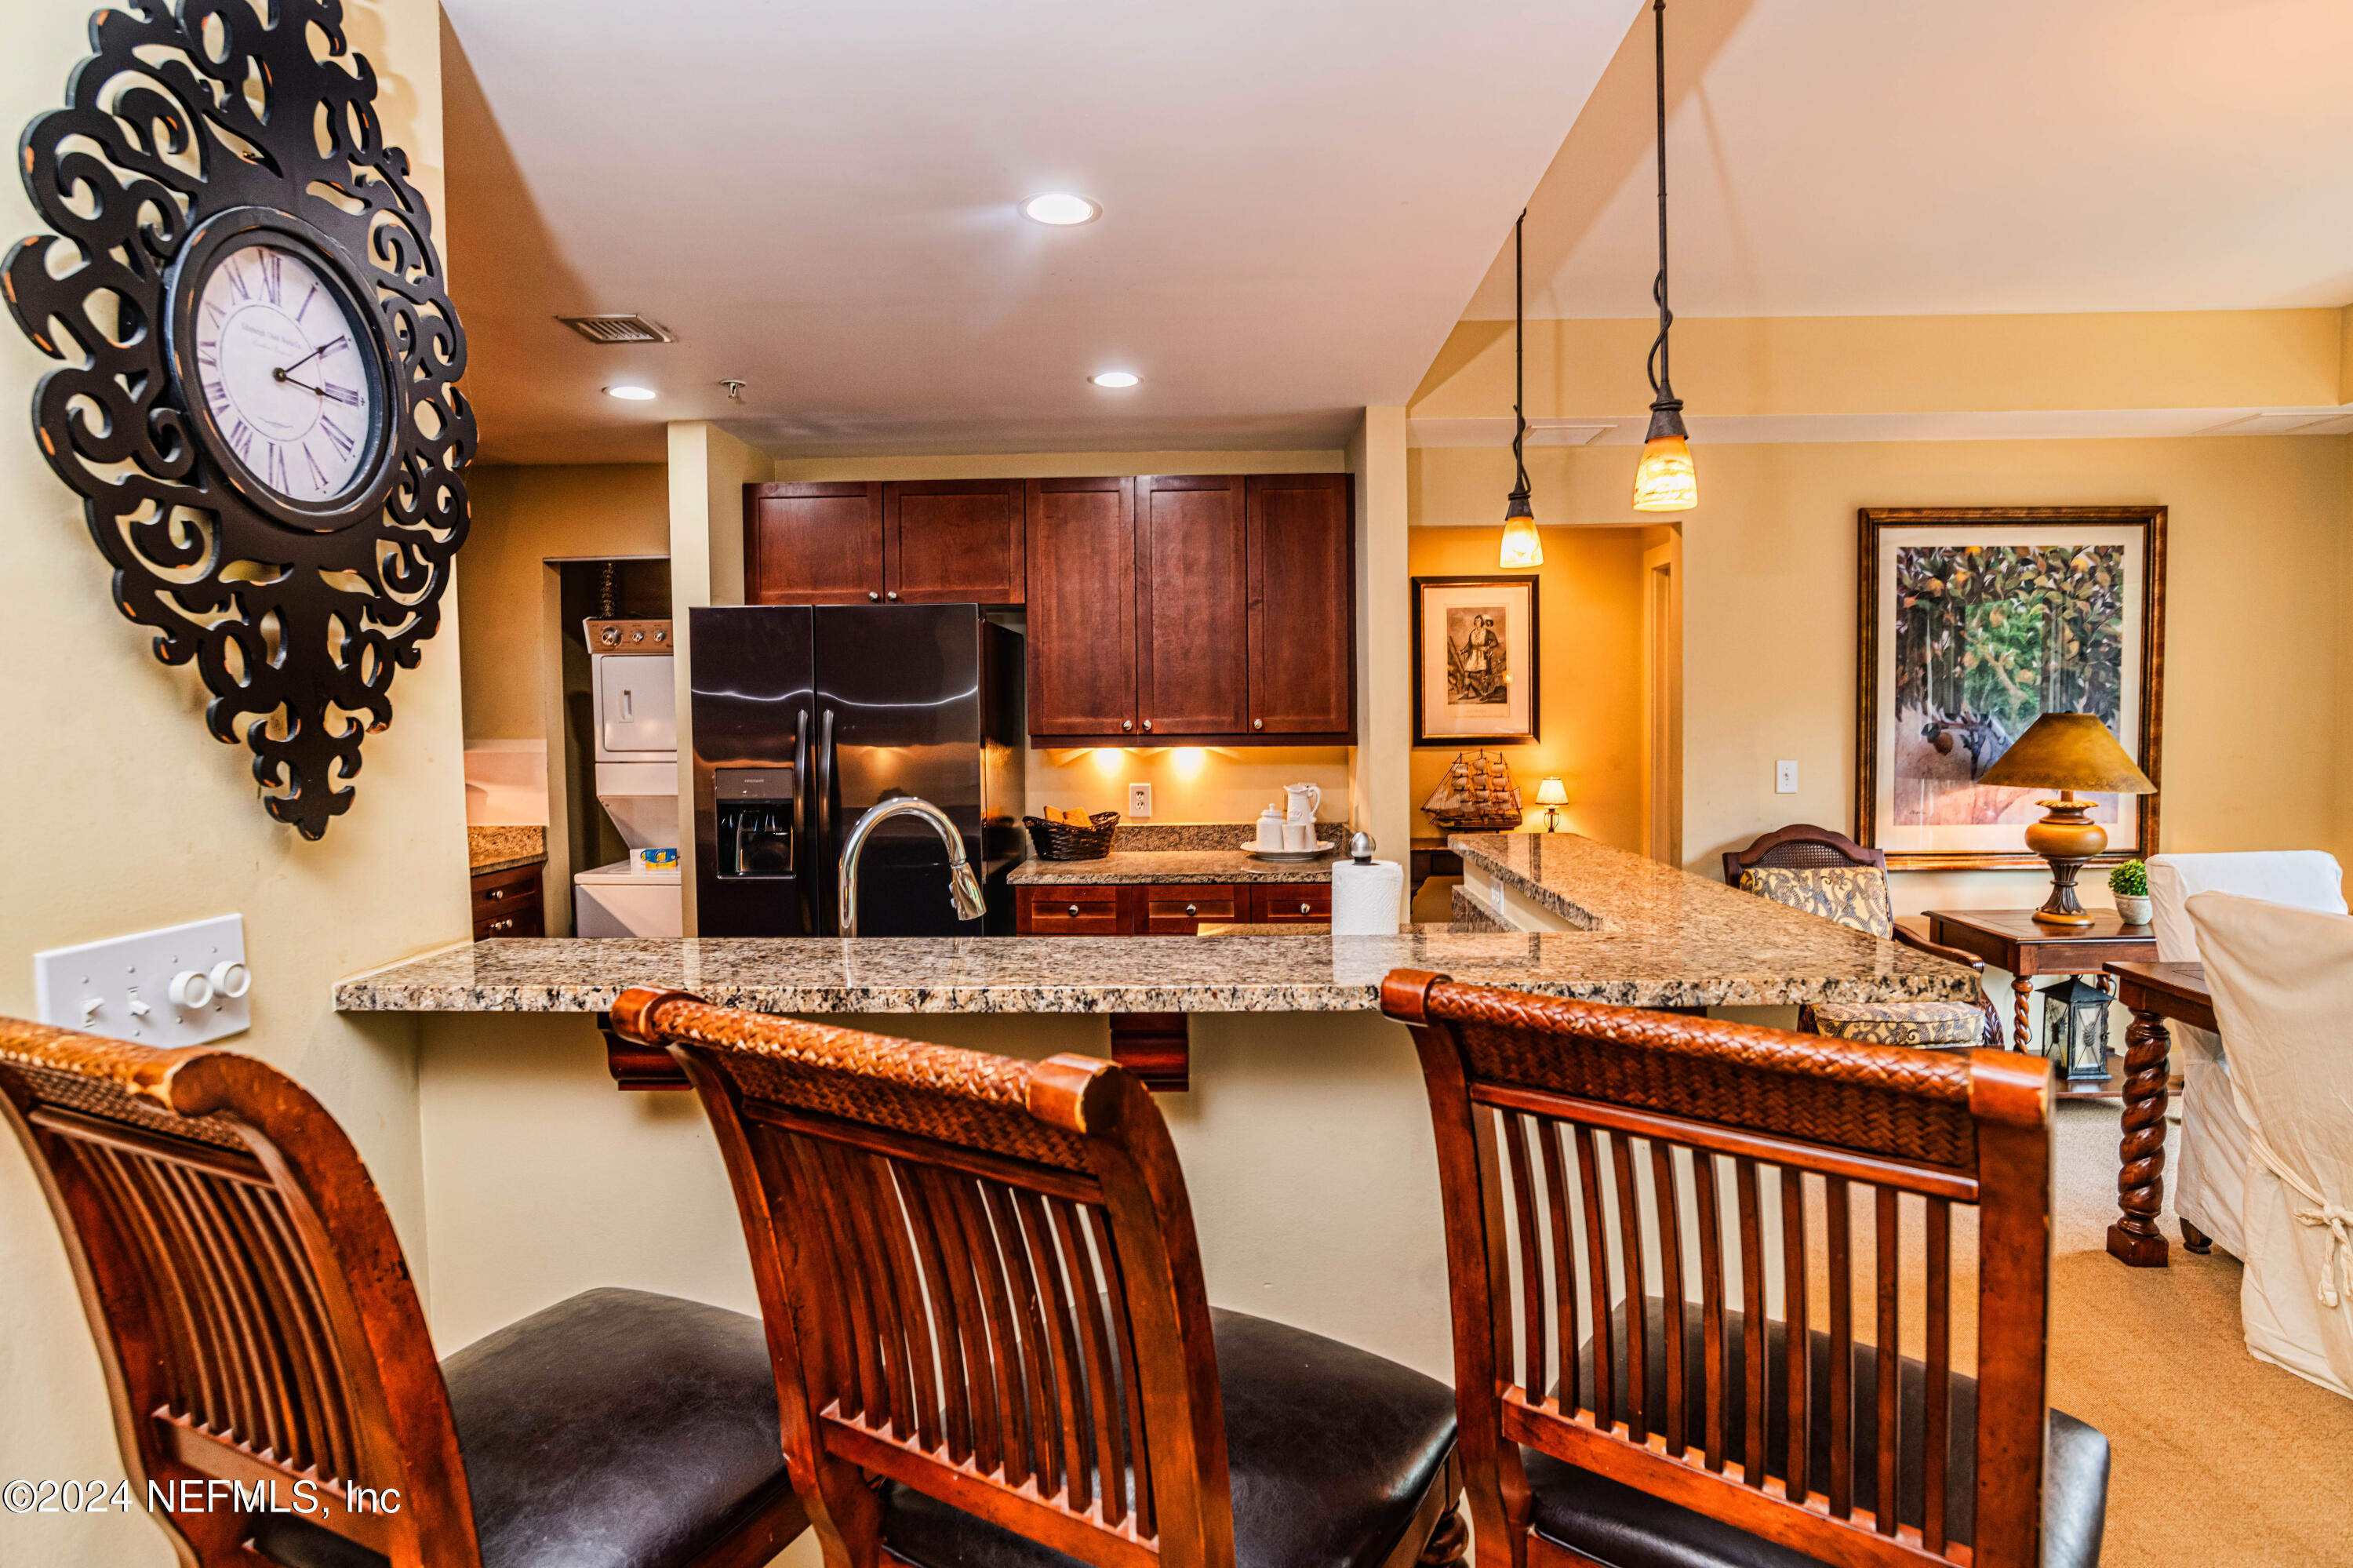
(1785, 778)
(1139, 799)
(124, 975)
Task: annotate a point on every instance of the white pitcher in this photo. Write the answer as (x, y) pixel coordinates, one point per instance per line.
(1303, 800)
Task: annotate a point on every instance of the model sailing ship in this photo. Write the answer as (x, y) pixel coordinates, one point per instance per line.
(1478, 797)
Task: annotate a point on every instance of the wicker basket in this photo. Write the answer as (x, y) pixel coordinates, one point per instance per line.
(1060, 841)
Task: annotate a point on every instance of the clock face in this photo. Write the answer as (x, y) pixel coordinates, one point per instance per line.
(284, 371)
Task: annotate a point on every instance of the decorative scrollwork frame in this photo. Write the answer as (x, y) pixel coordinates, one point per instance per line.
(183, 112)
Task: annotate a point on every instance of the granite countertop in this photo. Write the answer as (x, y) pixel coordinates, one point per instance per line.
(504, 848)
(1658, 938)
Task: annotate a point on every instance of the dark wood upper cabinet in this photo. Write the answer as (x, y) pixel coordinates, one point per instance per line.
(1081, 641)
(808, 543)
(953, 542)
(1302, 589)
(1192, 673)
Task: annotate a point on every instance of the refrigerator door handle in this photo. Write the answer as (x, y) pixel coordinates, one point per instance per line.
(821, 849)
(804, 866)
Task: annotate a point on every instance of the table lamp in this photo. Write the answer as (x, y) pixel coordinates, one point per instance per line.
(2067, 752)
(1552, 795)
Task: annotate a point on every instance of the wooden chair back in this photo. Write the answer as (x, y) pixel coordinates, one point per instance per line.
(979, 1277)
(1593, 1156)
(253, 1312)
(1800, 846)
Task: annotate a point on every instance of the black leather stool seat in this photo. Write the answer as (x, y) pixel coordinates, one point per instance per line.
(1629, 1528)
(616, 1429)
(1331, 1450)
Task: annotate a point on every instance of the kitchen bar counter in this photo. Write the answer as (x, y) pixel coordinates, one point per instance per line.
(1647, 936)
(504, 848)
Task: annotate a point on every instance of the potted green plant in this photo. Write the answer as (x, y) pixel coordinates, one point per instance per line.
(2129, 883)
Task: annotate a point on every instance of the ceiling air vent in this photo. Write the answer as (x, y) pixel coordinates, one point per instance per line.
(618, 329)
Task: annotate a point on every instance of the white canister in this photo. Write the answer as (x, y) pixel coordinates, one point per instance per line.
(1270, 828)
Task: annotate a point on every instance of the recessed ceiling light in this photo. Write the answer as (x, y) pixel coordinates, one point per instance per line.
(1116, 378)
(631, 393)
(1061, 209)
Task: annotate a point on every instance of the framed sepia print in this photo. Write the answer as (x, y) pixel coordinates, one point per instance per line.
(1976, 621)
(1474, 660)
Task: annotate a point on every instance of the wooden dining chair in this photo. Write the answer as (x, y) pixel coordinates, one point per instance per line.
(1630, 1190)
(992, 1344)
(257, 1326)
(1827, 874)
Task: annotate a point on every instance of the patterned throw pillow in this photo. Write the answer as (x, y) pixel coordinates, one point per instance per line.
(1901, 1023)
(1853, 896)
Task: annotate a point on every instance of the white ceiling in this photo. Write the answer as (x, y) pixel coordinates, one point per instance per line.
(1868, 157)
(818, 198)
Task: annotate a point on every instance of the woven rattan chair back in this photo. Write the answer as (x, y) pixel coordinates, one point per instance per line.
(251, 1306)
(1589, 1155)
(980, 1279)
(1801, 847)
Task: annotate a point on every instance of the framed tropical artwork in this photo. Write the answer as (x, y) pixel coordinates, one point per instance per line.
(1976, 621)
(1474, 654)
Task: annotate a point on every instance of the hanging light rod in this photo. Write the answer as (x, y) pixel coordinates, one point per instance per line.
(1523, 546)
(1665, 480)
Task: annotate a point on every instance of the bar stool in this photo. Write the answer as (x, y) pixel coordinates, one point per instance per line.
(1694, 1413)
(258, 1327)
(984, 1292)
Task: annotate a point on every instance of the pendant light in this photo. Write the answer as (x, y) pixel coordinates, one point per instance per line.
(1665, 480)
(1523, 547)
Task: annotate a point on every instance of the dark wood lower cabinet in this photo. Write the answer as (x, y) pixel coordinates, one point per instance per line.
(507, 903)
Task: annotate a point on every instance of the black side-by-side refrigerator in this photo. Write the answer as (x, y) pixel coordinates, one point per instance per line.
(806, 716)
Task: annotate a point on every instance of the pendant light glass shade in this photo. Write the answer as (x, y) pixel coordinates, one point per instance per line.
(1523, 546)
(1665, 480)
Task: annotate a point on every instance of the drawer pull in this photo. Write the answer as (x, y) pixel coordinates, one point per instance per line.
(1191, 910)
(1127, 723)
(892, 596)
(1074, 909)
(1258, 723)
(1147, 724)
(873, 596)
(1302, 909)
(498, 893)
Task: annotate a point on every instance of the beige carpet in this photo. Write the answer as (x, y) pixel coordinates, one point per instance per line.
(2219, 1458)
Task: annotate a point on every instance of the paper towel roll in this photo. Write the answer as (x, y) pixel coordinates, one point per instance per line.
(1365, 897)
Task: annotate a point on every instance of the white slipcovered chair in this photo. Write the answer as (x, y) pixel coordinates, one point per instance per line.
(2208, 1179)
(2283, 986)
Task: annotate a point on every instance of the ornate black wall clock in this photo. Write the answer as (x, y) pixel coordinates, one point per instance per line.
(260, 403)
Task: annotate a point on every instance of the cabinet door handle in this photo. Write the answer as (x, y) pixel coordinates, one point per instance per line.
(893, 594)
(1258, 723)
(498, 893)
(1147, 724)
(1127, 723)
(1190, 910)
(872, 595)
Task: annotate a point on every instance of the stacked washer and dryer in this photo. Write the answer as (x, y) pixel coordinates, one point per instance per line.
(633, 669)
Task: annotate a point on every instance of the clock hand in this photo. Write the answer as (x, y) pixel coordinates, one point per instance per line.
(280, 373)
(291, 381)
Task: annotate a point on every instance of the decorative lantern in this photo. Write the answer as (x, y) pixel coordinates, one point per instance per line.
(2075, 1029)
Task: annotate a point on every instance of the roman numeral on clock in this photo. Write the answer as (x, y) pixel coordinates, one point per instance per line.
(208, 351)
(271, 265)
(274, 470)
(344, 443)
(236, 280)
(240, 436)
(305, 304)
(341, 394)
(318, 474)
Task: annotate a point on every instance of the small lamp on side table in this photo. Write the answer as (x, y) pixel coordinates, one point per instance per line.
(1552, 795)
(2067, 752)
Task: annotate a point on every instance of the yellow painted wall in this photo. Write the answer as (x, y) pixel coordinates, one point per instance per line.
(522, 516)
(1853, 364)
(125, 815)
(1589, 623)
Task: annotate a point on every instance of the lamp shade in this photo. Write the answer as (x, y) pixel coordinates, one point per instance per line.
(1523, 546)
(1552, 792)
(2068, 751)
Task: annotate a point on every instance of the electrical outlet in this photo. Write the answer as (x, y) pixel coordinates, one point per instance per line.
(180, 986)
(1139, 800)
(1785, 778)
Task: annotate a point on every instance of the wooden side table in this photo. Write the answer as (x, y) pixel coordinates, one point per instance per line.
(2011, 940)
(2155, 992)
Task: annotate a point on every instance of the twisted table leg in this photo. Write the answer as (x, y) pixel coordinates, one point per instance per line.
(2140, 1183)
(2024, 986)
